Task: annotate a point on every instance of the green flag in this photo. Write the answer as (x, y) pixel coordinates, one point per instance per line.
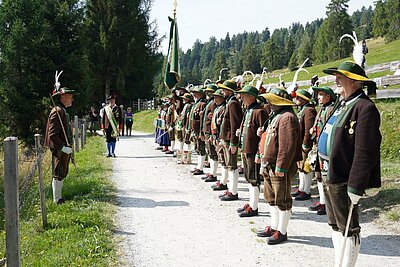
(173, 70)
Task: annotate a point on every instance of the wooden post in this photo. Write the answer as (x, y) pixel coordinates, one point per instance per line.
(11, 199)
(41, 186)
(85, 131)
(83, 135)
(76, 127)
(138, 104)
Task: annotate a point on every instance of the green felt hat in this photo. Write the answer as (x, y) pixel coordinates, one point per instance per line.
(218, 93)
(279, 97)
(188, 97)
(304, 94)
(197, 89)
(248, 89)
(64, 91)
(352, 71)
(211, 88)
(228, 85)
(326, 90)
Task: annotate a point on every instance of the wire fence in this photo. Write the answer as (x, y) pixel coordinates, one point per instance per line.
(27, 178)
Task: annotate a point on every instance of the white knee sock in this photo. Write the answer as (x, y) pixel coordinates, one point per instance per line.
(301, 181)
(284, 216)
(321, 193)
(307, 182)
(57, 189)
(274, 212)
(233, 181)
(224, 176)
(200, 162)
(254, 196)
(214, 167)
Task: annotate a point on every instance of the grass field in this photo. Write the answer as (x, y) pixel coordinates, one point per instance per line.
(79, 232)
(379, 52)
(144, 121)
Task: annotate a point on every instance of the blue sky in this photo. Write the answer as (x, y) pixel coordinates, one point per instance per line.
(201, 19)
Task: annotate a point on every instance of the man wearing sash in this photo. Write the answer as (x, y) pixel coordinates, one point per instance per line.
(349, 149)
(184, 119)
(216, 122)
(111, 124)
(206, 128)
(228, 138)
(280, 149)
(179, 106)
(254, 118)
(59, 139)
(306, 117)
(326, 99)
(195, 126)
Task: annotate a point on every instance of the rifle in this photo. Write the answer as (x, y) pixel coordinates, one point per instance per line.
(65, 133)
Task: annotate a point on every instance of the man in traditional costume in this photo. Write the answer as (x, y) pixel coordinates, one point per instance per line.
(195, 126)
(280, 149)
(326, 99)
(306, 115)
(253, 119)
(228, 138)
(349, 149)
(59, 138)
(171, 120)
(179, 106)
(111, 125)
(216, 122)
(206, 128)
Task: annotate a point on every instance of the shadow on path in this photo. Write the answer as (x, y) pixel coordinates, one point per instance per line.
(133, 202)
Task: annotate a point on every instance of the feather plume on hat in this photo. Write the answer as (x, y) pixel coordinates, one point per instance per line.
(293, 84)
(220, 73)
(357, 49)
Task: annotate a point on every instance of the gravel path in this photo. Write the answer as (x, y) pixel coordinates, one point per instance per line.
(167, 217)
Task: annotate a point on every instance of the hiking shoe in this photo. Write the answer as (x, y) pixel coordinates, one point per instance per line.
(266, 232)
(276, 238)
(314, 206)
(321, 210)
(249, 212)
(230, 197)
(303, 196)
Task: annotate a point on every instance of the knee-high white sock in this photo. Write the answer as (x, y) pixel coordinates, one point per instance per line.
(224, 176)
(321, 193)
(200, 162)
(337, 240)
(233, 181)
(274, 212)
(57, 189)
(254, 196)
(181, 143)
(307, 182)
(352, 249)
(214, 167)
(172, 145)
(301, 181)
(284, 216)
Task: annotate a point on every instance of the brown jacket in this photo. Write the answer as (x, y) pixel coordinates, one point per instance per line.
(250, 139)
(284, 148)
(55, 137)
(231, 121)
(355, 157)
(195, 116)
(207, 116)
(306, 116)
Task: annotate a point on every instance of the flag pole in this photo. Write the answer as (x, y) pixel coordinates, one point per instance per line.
(174, 4)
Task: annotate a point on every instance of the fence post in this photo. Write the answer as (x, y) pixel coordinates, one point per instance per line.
(83, 135)
(85, 132)
(11, 200)
(76, 127)
(41, 186)
(138, 104)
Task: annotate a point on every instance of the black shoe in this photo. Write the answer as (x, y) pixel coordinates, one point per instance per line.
(159, 148)
(109, 156)
(198, 172)
(169, 152)
(230, 197)
(314, 206)
(219, 187)
(206, 165)
(240, 170)
(113, 154)
(303, 196)
(60, 201)
(266, 232)
(248, 212)
(205, 177)
(239, 210)
(322, 210)
(276, 238)
(211, 178)
(295, 192)
(194, 170)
